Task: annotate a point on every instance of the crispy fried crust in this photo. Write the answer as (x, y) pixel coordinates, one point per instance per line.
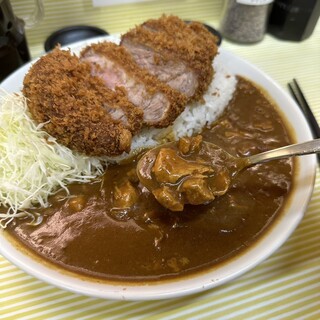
(177, 41)
(122, 57)
(60, 90)
(83, 114)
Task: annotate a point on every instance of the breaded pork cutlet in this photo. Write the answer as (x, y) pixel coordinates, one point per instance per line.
(77, 108)
(177, 53)
(115, 66)
(95, 103)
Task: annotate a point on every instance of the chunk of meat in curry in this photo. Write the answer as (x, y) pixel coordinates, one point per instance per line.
(125, 195)
(183, 173)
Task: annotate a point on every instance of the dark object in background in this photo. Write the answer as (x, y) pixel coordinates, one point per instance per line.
(213, 31)
(302, 102)
(298, 95)
(14, 50)
(293, 19)
(72, 34)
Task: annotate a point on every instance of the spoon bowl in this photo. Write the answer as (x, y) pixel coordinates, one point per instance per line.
(192, 171)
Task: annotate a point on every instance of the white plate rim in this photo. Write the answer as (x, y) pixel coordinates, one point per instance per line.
(181, 287)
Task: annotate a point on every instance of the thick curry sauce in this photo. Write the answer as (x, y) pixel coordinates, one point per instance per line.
(93, 233)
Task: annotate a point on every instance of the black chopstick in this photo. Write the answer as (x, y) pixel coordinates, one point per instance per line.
(298, 95)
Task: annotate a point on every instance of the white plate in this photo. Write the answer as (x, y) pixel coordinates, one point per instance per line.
(278, 234)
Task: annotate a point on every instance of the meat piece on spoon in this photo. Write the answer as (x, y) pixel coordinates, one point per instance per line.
(195, 172)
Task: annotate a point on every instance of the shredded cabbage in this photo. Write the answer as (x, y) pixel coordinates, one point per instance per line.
(33, 165)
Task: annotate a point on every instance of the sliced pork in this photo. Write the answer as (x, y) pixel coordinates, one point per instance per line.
(177, 53)
(114, 65)
(174, 73)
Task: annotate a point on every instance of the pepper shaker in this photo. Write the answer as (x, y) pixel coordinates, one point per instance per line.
(245, 21)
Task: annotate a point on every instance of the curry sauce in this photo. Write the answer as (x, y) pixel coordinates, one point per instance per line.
(97, 231)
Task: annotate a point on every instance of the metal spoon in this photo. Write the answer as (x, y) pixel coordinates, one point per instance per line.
(292, 150)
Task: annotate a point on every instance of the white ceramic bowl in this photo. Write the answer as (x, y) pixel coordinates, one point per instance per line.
(277, 235)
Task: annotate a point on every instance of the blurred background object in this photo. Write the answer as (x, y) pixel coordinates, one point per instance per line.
(245, 21)
(32, 19)
(118, 18)
(293, 20)
(102, 3)
(72, 34)
(14, 50)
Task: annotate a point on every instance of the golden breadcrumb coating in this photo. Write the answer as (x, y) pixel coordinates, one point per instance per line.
(176, 40)
(61, 91)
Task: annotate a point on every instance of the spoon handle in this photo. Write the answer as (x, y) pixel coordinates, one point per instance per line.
(298, 149)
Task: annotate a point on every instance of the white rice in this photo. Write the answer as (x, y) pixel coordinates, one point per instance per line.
(195, 117)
